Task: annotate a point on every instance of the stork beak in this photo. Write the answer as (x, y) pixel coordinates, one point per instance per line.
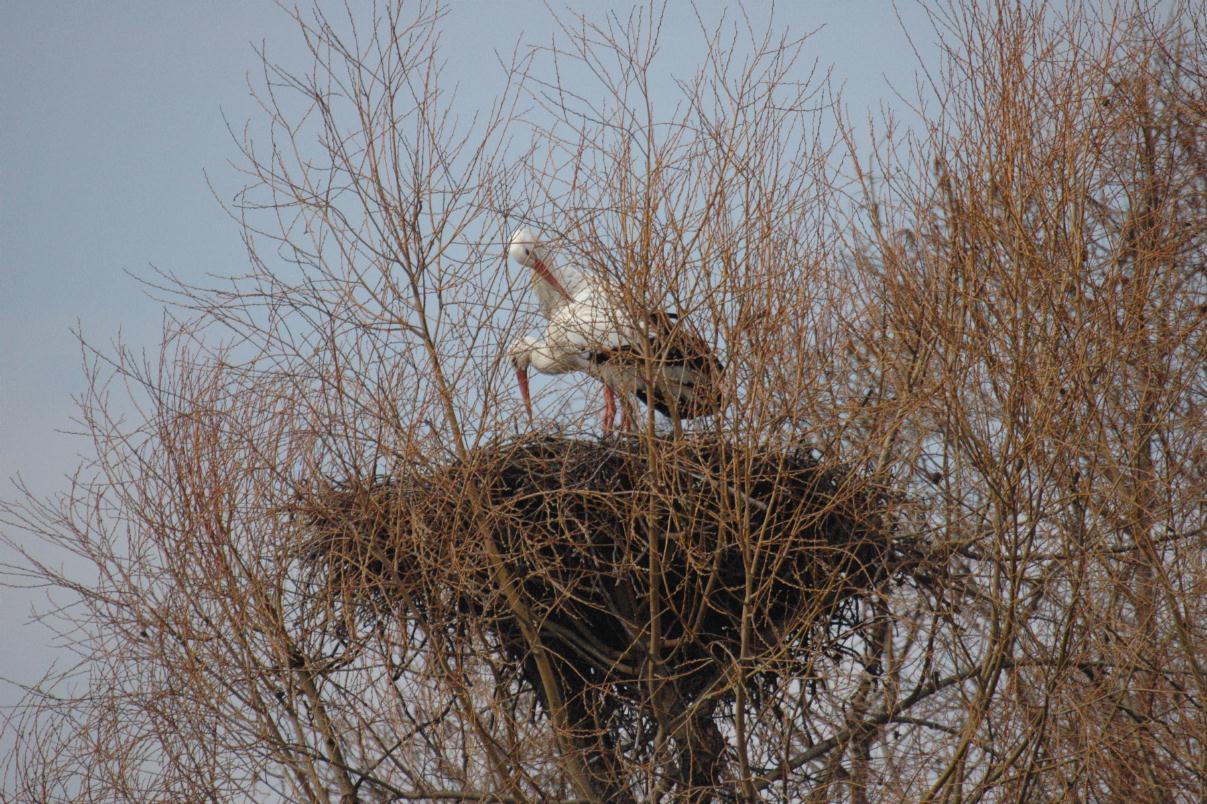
(544, 272)
(521, 376)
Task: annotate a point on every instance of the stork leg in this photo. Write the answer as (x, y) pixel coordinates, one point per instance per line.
(609, 409)
(626, 416)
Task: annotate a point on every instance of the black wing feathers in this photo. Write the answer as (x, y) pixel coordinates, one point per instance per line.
(687, 375)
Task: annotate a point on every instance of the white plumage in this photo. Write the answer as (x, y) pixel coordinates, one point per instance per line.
(546, 357)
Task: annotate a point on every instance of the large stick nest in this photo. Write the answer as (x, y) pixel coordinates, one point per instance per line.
(772, 538)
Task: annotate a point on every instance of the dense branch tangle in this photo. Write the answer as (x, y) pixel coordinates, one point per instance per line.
(572, 517)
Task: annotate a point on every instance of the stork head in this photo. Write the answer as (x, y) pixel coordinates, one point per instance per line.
(531, 253)
(520, 355)
(525, 248)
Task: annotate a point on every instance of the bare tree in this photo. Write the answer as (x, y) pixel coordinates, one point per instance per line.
(946, 540)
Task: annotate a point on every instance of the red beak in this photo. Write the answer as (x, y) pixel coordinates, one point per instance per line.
(547, 275)
(521, 376)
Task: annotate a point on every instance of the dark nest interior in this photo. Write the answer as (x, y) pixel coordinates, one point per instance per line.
(643, 567)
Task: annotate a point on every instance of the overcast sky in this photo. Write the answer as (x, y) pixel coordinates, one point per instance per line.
(111, 119)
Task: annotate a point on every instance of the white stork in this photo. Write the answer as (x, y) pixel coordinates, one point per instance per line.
(657, 359)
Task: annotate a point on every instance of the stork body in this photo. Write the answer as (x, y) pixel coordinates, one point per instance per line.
(655, 358)
(674, 372)
(658, 360)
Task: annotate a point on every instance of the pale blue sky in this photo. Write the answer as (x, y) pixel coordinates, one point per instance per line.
(111, 115)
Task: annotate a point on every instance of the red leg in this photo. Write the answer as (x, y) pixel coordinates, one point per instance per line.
(609, 410)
